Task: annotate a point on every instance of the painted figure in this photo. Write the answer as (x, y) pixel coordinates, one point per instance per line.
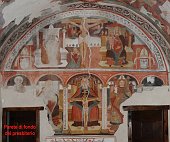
(114, 47)
(52, 46)
(74, 59)
(118, 47)
(50, 98)
(19, 87)
(85, 111)
(84, 36)
(119, 94)
(104, 38)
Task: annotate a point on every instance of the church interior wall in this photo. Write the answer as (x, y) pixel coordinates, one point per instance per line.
(83, 66)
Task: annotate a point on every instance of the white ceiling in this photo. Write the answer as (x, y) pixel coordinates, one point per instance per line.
(20, 8)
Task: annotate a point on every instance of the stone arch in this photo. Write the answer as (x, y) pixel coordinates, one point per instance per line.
(144, 29)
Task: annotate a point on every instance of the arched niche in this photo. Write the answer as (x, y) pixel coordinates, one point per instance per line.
(122, 16)
(19, 83)
(85, 108)
(152, 81)
(11, 81)
(50, 88)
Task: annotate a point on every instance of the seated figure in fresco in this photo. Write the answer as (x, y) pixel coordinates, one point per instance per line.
(116, 44)
(85, 110)
(114, 47)
(50, 98)
(52, 46)
(119, 94)
(74, 59)
(117, 48)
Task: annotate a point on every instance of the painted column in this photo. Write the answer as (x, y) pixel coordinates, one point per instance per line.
(65, 109)
(63, 51)
(64, 36)
(104, 108)
(38, 40)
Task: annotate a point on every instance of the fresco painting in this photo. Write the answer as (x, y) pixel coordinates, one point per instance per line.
(18, 84)
(121, 87)
(83, 68)
(85, 100)
(85, 104)
(85, 43)
(50, 88)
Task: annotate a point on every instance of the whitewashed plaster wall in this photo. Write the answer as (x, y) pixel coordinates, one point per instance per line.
(158, 96)
(11, 98)
(35, 7)
(23, 8)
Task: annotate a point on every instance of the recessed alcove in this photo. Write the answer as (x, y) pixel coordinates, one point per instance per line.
(21, 124)
(147, 123)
